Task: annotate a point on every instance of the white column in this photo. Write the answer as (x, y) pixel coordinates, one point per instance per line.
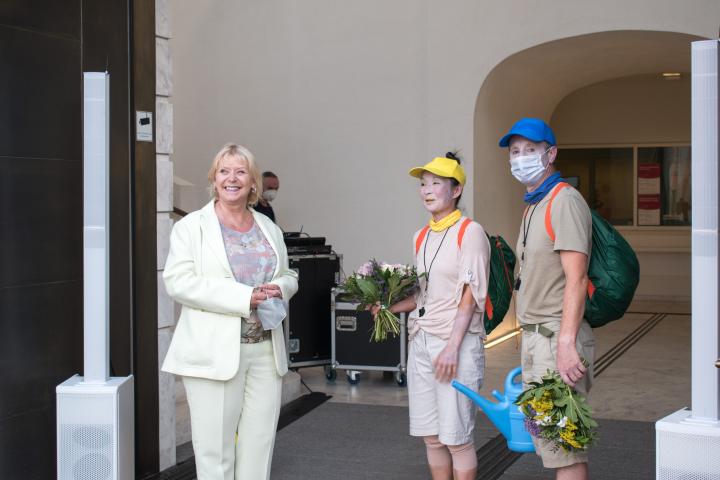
(164, 168)
(96, 155)
(688, 441)
(705, 274)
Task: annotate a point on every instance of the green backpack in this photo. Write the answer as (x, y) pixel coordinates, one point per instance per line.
(500, 284)
(614, 270)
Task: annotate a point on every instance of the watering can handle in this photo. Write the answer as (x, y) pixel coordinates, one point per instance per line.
(509, 380)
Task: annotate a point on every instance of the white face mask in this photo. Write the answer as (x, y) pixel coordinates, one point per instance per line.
(271, 313)
(269, 195)
(528, 169)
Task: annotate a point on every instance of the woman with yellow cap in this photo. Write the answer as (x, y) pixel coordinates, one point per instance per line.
(446, 322)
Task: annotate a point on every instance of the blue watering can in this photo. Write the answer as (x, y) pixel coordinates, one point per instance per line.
(507, 417)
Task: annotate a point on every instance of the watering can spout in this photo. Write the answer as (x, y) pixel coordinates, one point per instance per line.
(504, 414)
(495, 411)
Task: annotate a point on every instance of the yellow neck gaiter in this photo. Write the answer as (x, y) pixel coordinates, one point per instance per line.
(446, 222)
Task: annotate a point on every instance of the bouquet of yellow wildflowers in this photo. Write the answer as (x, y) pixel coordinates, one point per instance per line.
(555, 411)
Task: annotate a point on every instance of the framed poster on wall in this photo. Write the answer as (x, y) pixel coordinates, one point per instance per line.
(648, 209)
(649, 179)
(648, 189)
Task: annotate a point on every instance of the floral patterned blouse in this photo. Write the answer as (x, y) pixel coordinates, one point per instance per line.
(253, 263)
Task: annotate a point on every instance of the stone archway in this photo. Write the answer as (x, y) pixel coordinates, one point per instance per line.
(532, 82)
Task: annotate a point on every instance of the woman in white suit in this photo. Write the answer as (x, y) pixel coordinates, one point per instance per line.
(228, 268)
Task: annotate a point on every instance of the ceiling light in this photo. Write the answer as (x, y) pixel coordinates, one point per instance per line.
(672, 75)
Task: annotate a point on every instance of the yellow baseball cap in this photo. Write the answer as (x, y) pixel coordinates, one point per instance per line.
(442, 167)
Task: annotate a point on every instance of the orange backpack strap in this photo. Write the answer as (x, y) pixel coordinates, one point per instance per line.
(551, 232)
(548, 210)
(461, 233)
(488, 307)
(421, 237)
(590, 288)
(424, 231)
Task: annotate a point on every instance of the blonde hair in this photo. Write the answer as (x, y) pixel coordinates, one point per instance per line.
(236, 150)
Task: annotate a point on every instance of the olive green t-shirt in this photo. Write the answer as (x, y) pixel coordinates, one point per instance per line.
(542, 279)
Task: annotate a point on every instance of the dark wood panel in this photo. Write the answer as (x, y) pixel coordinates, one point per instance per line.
(40, 96)
(40, 225)
(52, 17)
(27, 445)
(145, 241)
(41, 344)
(41, 66)
(40, 221)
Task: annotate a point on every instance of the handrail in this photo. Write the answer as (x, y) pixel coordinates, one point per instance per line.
(179, 211)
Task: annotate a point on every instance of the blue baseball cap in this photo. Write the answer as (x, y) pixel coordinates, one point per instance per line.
(533, 129)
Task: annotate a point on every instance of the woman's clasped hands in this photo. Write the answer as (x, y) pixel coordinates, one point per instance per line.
(264, 292)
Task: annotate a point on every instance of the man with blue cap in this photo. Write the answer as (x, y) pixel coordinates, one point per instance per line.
(554, 249)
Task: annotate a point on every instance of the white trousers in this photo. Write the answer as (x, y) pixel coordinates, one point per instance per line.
(249, 404)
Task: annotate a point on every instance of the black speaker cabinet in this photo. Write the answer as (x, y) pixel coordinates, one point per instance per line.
(307, 326)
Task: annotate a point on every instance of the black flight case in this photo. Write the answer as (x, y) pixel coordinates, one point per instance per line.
(352, 349)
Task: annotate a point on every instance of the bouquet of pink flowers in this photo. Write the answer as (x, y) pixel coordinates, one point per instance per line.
(382, 284)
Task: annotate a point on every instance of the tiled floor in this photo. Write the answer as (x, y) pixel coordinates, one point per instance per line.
(648, 381)
(647, 378)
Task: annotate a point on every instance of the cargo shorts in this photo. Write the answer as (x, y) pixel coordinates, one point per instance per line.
(436, 408)
(537, 357)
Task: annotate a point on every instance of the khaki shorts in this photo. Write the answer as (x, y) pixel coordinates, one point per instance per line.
(538, 355)
(437, 408)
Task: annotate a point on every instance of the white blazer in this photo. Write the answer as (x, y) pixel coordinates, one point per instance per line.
(197, 275)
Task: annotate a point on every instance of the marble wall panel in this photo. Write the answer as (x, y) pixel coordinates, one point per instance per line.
(164, 126)
(166, 393)
(163, 68)
(166, 306)
(164, 227)
(164, 184)
(162, 19)
(291, 388)
(183, 429)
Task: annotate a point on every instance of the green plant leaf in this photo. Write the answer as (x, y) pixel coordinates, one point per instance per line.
(369, 289)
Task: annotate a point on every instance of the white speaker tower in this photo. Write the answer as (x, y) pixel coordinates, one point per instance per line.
(688, 441)
(95, 413)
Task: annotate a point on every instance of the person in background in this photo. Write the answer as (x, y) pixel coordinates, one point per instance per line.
(552, 281)
(445, 327)
(271, 185)
(228, 268)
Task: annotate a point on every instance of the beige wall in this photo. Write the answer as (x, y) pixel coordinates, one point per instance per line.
(341, 98)
(333, 103)
(628, 110)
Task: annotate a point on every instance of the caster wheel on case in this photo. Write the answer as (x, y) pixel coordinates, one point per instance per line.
(330, 374)
(401, 379)
(353, 377)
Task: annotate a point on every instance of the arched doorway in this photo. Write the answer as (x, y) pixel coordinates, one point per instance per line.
(534, 82)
